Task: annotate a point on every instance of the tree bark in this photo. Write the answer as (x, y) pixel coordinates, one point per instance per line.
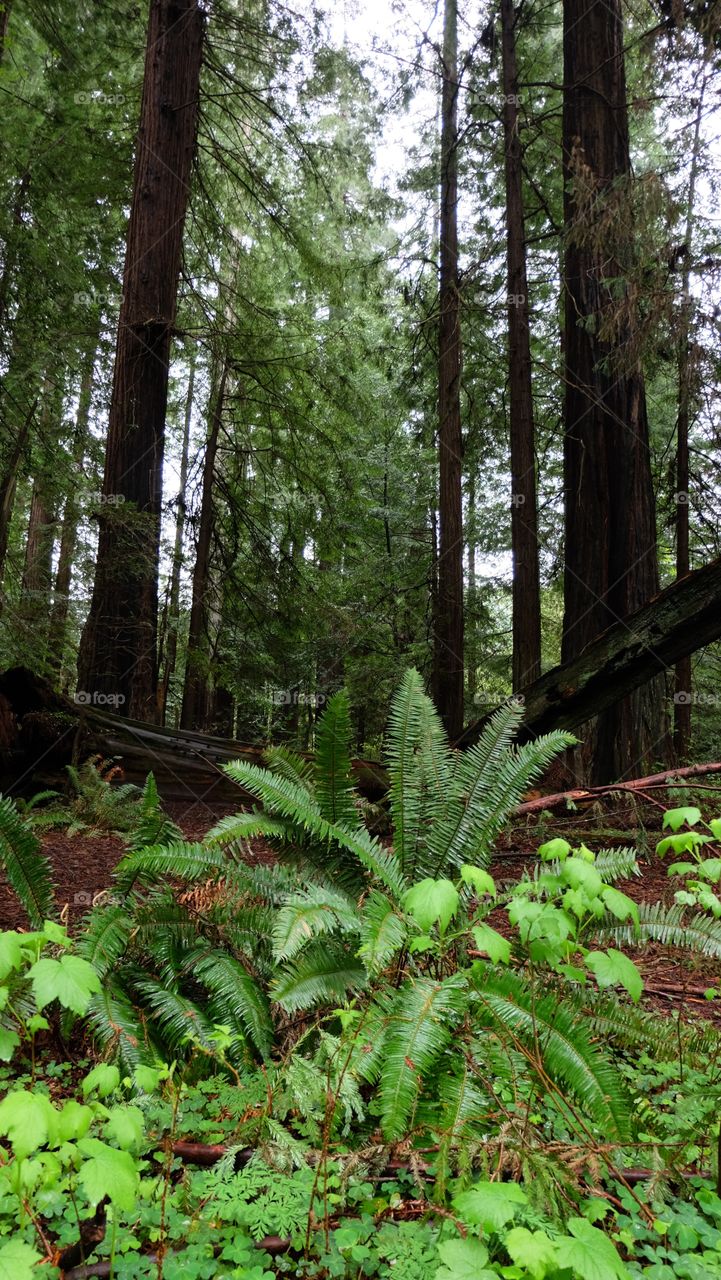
(524, 515)
(683, 618)
(171, 642)
(118, 650)
(610, 545)
(682, 684)
(71, 517)
(448, 628)
(195, 689)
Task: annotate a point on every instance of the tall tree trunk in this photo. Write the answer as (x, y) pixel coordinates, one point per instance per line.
(448, 628)
(682, 678)
(71, 518)
(195, 689)
(5, 7)
(118, 650)
(8, 485)
(524, 516)
(472, 671)
(610, 554)
(34, 604)
(171, 644)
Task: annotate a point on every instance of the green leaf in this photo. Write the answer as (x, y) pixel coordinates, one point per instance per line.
(481, 881)
(619, 904)
(430, 901)
(554, 850)
(710, 869)
(69, 980)
(533, 1250)
(102, 1080)
(495, 946)
(715, 827)
(11, 954)
(589, 1253)
(74, 1121)
(17, 1261)
(127, 1126)
(28, 1120)
(465, 1260)
(684, 842)
(612, 968)
(108, 1172)
(148, 1078)
(581, 875)
(9, 1041)
(675, 818)
(490, 1204)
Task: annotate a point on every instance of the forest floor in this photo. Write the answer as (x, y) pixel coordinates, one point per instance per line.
(83, 866)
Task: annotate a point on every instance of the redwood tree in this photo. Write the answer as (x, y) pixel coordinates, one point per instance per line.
(524, 519)
(448, 622)
(610, 555)
(118, 649)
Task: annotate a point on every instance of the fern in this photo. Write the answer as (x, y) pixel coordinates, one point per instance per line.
(291, 801)
(673, 926)
(556, 1045)
(309, 913)
(325, 973)
(382, 932)
(152, 827)
(235, 993)
(27, 868)
(334, 789)
(105, 938)
(419, 1031)
(181, 861)
(405, 723)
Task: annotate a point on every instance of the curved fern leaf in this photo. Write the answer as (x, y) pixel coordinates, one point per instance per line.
(238, 994)
(323, 974)
(308, 913)
(334, 789)
(423, 1014)
(555, 1044)
(26, 866)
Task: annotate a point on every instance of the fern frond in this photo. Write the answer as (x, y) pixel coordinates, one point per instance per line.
(424, 1013)
(244, 826)
(673, 926)
(153, 827)
(286, 798)
(291, 765)
(105, 937)
(118, 1027)
(307, 914)
(178, 1019)
(25, 865)
(236, 993)
(324, 973)
(617, 864)
(181, 861)
(556, 1045)
(405, 724)
(382, 932)
(334, 789)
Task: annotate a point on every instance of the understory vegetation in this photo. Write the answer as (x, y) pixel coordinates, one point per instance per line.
(367, 1057)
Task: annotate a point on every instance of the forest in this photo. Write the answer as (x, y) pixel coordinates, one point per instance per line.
(360, 640)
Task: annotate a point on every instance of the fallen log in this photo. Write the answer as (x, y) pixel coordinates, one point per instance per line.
(581, 795)
(41, 732)
(678, 621)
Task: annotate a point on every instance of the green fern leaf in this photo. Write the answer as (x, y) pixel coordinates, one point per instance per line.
(25, 865)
